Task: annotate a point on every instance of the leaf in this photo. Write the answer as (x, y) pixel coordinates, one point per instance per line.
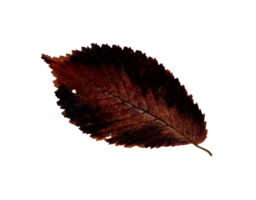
(125, 98)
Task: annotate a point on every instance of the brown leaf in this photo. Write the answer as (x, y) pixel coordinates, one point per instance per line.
(125, 98)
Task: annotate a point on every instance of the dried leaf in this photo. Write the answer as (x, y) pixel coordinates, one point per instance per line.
(125, 98)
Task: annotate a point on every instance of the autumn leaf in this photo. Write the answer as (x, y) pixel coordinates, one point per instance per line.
(125, 98)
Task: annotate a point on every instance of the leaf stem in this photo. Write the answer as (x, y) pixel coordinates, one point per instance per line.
(204, 150)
